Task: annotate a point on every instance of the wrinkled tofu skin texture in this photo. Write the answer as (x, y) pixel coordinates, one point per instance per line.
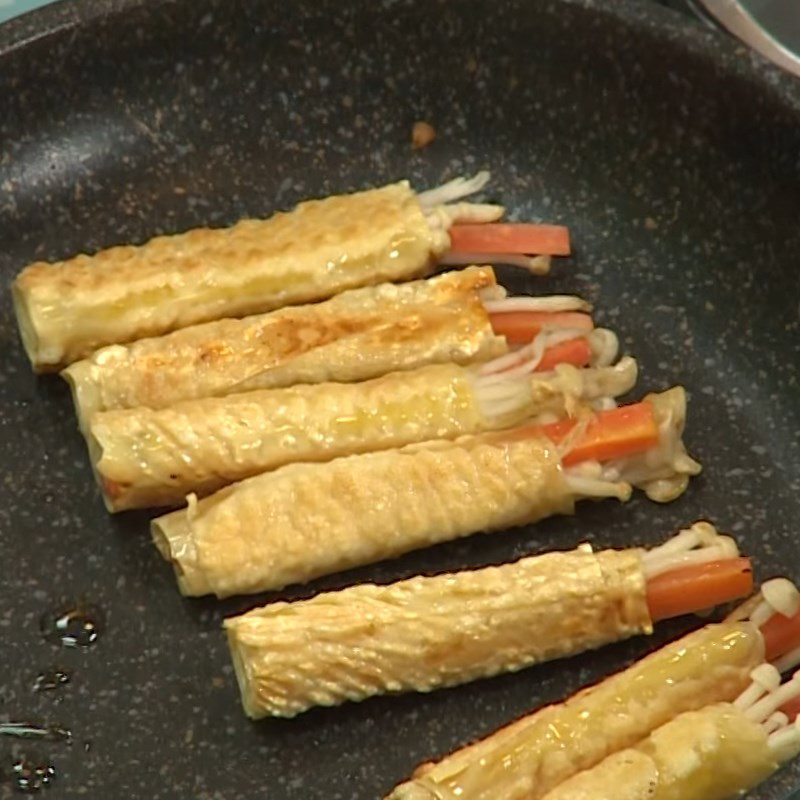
(307, 520)
(715, 753)
(534, 755)
(70, 308)
(147, 457)
(425, 633)
(357, 335)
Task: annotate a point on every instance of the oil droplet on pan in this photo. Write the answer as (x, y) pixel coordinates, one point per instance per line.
(30, 777)
(50, 679)
(72, 624)
(31, 730)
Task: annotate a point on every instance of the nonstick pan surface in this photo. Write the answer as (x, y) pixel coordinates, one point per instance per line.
(672, 154)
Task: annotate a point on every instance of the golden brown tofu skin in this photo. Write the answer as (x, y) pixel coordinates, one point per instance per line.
(68, 309)
(355, 336)
(307, 520)
(145, 457)
(532, 756)
(715, 753)
(426, 633)
(150, 457)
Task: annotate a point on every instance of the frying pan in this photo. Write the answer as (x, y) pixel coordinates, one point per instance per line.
(674, 156)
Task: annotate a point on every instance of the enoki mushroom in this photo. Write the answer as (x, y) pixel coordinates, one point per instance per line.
(471, 234)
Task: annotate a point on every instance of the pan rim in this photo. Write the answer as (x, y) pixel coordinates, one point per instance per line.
(734, 59)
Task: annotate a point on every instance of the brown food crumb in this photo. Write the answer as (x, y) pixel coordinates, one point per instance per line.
(422, 134)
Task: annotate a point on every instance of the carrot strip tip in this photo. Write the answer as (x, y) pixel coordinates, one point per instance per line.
(513, 238)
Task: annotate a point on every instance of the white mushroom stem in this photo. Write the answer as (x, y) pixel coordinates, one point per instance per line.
(553, 393)
(726, 548)
(191, 506)
(762, 612)
(590, 487)
(442, 208)
(772, 701)
(765, 678)
(604, 404)
(611, 381)
(700, 534)
(491, 293)
(604, 345)
(453, 190)
(779, 596)
(788, 661)
(745, 609)
(462, 213)
(777, 721)
(699, 544)
(587, 469)
(783, 734)
(662, 471)
(554, 303)
(527, 359)
(536, 265)
(782, 595)
(529, 354)
(500, 399)
(556, 392)
(785, 742)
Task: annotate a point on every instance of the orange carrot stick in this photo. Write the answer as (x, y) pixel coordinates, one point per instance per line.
(575, 351)
(510, 239)
(616, 433)
(521, 327)
(781, 634)
(792, 709)
(686, 590)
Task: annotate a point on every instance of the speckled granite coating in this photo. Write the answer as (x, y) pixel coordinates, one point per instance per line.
(671, 152)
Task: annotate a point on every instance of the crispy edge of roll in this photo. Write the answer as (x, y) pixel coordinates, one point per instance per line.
(426, 633)
(325, 518)
(26, 323)
(530, 757)
(312, 343)
(714, 753)
(256, 265)
(155, 457)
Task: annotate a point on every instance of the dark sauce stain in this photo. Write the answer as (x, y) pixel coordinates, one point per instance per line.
(30, 777)
(50, 679)
(72, 625)
(31, 730)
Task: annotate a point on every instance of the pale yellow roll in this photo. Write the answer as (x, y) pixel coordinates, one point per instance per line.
(149, 457)
(357, 335)
(146, 457)
(307, 520)
(534, 755)
(426, 633)
(715, 753)
(68, 309)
